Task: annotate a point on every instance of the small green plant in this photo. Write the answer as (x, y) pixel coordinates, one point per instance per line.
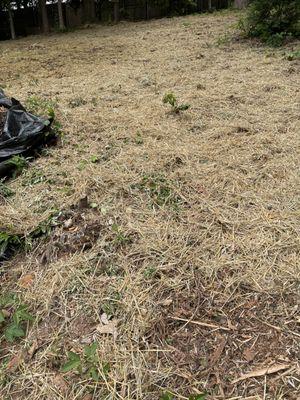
(198, 397)
(111, 304)
(120, 236)
(160, 190)
(33, 177)
(77, 102)
(13, 317)
(5, 191)
(18, 163)
(45, 227)
(8, 241)
(170, 98)
(139, 140)
(150, 272)
(223, 39)
(87, 364)
(293, 55)
(45, 108)
(94, 159)
(167, 396)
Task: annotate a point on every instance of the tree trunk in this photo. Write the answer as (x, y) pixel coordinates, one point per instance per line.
(11, 24)
(240, 3)
(61, 16)
(116, 11)
(209, 5)
(45, 21)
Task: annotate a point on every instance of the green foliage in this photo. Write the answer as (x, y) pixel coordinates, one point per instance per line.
(5, 191)
(45, 227)
(120, 236)
(94, 159)
(170, 98)
(272, 20)
(13, 317)
(160, 190)
(87, 364)
(46, 109)
(77, 102)
(73, 363)
(198, 397)
(291, 56)
(167, 396)
(19, 163)
(7, 241)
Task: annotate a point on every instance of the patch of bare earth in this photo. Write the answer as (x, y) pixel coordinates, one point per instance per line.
(176, 246)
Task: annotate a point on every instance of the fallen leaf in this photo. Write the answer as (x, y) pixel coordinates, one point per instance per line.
(218, 352)
(104, 319)
(14, 362)
(26, 280)
(110, 328)
(261, 372)
(249, 354)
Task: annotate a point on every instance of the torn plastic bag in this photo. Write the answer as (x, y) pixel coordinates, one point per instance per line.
(23, 133)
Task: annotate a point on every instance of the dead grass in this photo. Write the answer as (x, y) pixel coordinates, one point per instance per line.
(191, 245)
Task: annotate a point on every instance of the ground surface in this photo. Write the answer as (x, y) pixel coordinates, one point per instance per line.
(183, 261)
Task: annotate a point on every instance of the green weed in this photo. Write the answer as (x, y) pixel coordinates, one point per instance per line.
(45, 108)
(13, 317)
(293, 55)
(18, 163)
(77, 102)
(120, 237)
(160, 190)
(5, 191)
(170, 98)
(8, 241)
(86, 364)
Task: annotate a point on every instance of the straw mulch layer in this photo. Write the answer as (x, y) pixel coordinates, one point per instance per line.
(175, 237)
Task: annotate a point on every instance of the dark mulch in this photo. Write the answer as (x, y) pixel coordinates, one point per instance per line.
(260, 330)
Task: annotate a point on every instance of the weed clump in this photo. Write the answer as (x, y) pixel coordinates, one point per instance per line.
(273, 21)
(170, 98)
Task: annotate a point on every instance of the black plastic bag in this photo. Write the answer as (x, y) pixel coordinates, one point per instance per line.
(23, 133)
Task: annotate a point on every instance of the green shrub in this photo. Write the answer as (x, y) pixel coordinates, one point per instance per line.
(272, 20)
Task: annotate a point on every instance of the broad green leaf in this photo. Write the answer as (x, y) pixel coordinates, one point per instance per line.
(21, 314)
(106, 368)
(198, 397)
(167, 396)
(13, 331)
(91, 351)
(2, 317)
(94, 374)
(70, 365)
(73, 356)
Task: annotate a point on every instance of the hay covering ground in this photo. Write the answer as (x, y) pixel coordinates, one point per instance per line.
(190, 243)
